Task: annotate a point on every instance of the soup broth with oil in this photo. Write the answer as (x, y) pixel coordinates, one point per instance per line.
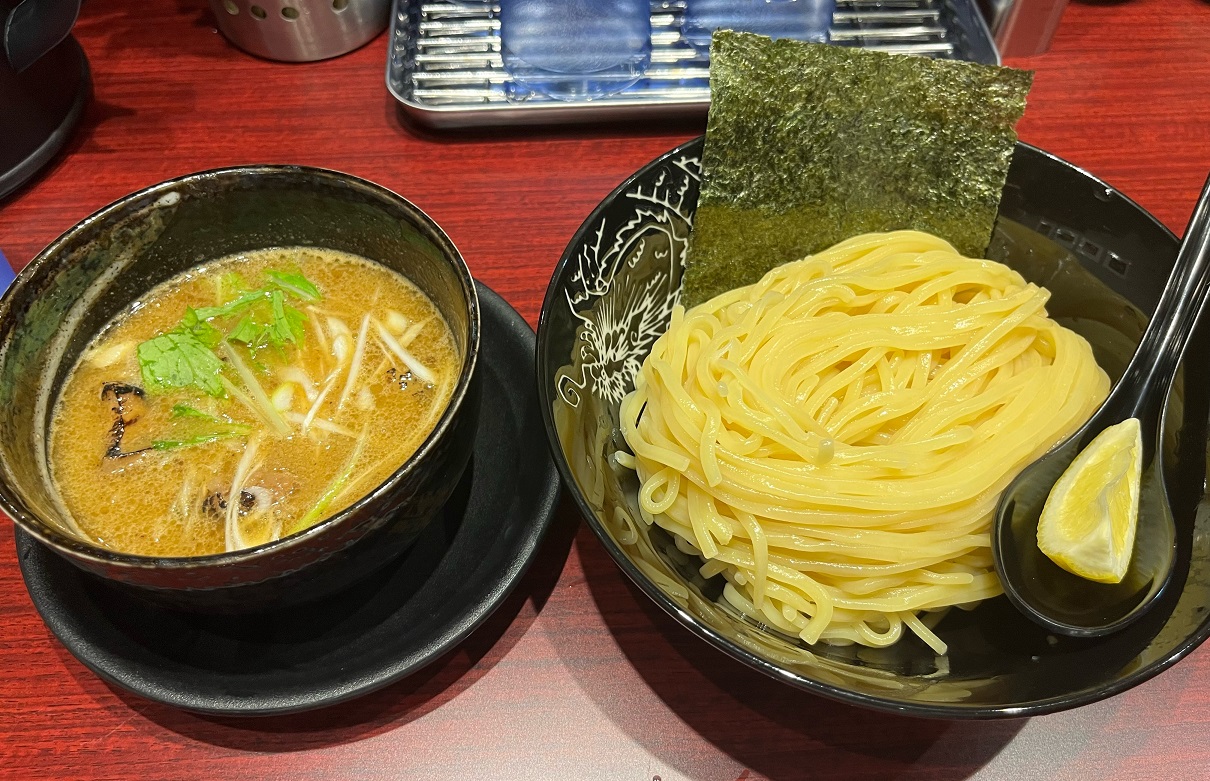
(248, 399)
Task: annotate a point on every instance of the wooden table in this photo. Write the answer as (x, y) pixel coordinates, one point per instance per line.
(578, 676)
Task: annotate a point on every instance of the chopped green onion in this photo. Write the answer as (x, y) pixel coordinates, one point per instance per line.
(333, 490)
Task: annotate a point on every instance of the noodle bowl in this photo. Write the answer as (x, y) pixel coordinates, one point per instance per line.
(833, 439)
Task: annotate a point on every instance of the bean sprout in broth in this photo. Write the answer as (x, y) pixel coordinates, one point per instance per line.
(292, 379)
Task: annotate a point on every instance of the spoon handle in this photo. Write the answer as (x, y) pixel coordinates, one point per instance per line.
(1147, 380)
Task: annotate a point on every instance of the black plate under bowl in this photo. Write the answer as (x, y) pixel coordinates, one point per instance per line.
(1104, 260)
(361, 639)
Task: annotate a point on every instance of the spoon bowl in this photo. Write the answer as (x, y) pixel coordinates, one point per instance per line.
(1059, 600)
(1054, 597)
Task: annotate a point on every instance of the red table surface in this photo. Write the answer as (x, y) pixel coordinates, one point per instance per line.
(577, 676)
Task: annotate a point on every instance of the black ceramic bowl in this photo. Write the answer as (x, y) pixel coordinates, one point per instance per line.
(1104, 259)
(106, 262)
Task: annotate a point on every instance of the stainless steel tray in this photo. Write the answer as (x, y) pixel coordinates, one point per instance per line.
(444, 63)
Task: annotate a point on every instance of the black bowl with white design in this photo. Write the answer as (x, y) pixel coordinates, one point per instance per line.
(1105, 261)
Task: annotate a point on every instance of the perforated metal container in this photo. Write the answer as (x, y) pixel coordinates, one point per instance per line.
(300, 30)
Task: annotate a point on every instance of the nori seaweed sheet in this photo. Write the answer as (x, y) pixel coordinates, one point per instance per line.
(810, 144)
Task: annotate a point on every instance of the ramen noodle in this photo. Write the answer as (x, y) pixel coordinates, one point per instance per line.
(833, 439)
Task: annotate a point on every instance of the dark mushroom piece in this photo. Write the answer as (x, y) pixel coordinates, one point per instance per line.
(215, 503)
(128, 406)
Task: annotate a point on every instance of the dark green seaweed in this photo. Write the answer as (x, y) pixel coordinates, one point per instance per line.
(810, 144)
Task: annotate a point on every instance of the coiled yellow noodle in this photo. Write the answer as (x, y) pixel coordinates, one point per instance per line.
(833, 439)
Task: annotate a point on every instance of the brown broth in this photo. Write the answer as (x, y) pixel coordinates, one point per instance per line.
(172, 502)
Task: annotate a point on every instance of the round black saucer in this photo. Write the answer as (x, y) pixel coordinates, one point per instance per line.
(392, 624)
(40, 108)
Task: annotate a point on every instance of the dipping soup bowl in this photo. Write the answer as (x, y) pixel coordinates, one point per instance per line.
(98, 268)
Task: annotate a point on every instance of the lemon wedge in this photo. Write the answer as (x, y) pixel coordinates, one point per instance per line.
(1089, 520)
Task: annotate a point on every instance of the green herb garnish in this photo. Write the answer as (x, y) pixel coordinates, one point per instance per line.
(243, 302)
(200, 439)
(284, 326)
(179, 359)
(206, 333)
(287, 322)
(248, 332)
(218, 429)
(295, 284)
(268, 321)
(810, 144)
(184, 357)
(186, 411)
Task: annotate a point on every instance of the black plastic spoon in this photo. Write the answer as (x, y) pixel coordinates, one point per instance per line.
(1051, 596)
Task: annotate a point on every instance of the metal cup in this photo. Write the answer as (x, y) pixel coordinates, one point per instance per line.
(300, 30)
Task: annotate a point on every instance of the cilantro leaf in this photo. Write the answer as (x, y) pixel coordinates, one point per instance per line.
(295, 284)
(179, 359)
